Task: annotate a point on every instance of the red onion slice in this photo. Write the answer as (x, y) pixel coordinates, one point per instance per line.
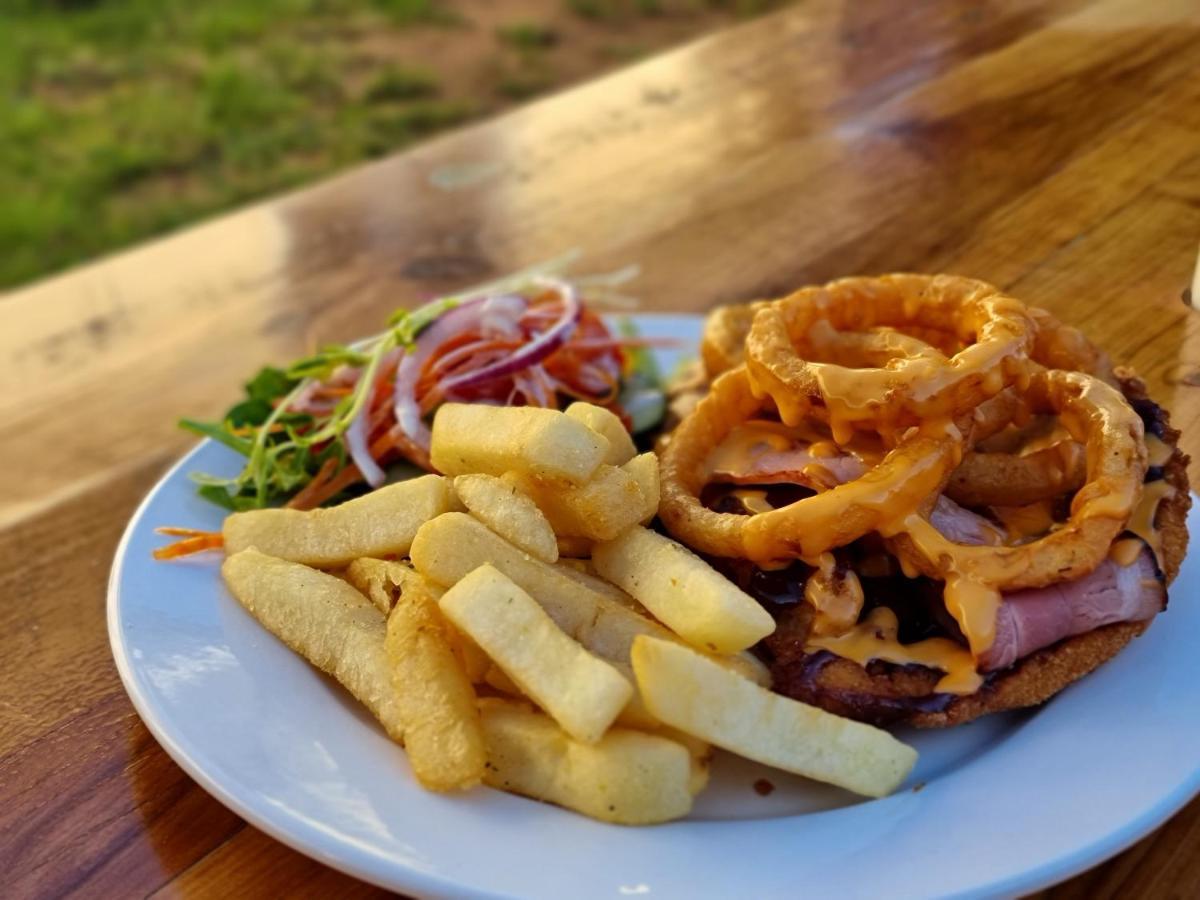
(356, 442)
(537, 349)
(500, 316)
(408, 371)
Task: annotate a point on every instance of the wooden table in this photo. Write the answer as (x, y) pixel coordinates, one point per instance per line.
(1050, 147)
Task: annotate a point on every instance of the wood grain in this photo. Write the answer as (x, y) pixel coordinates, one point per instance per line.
(1050, 146)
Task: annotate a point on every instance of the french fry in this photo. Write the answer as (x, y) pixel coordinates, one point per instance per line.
(683, 591)
(690, 692)
(508, 512)
(324, 620)
(608, 424)
(380, 580)
(626, 777)
(598, 585)
(700, 751)
(384, 581)
(451, 546)
(442, 734)
(581, 692)
(644, 470)
(469, 438)
(599, 510)
(381, 523)
(574, 548)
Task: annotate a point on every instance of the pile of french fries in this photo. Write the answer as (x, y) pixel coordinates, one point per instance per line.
(514, 623)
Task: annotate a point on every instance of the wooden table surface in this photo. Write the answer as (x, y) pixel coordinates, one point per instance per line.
(1050, 147)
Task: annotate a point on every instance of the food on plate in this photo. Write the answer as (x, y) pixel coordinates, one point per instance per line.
(949, 500)
(442, 735)
(326, 621)
(907, 499)
(994, 329)
(608, 425)
(509, 513)
(331, 424)
(580, 691)
(453, 545)
(615, 498)
(381, 523)
(627, 777)
(380, 580)
(471, 438)
(683, 591)
(693, 694)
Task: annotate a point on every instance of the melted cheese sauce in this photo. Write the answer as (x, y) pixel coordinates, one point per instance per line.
(1141, 522)
(753, 501)
(1158, 451)
(1024, 522)
(752, 439)
(876, 638)
(1125, 551)
(837, 601)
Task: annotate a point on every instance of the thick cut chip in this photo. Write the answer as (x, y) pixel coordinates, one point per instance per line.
(595, 583)
(469, 438)
(384, 581)
(644, 470)
(381, 523)
(609, 425)
(580, 691)
(687, 691)
(454, 545)
(599, 510)
(626, 777)
(574, 548)
(326, 621)
(380, 580)
(442, 734)
(503, 508)
(683, 591)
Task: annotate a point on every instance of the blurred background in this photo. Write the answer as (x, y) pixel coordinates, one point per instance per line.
(124, 119)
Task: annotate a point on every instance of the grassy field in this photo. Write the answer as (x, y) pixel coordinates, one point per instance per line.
(123, 119)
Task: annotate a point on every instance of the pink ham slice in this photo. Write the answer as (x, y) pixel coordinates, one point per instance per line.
(787, 467)
(1027, 620)
(1032, 619)
(963, 526)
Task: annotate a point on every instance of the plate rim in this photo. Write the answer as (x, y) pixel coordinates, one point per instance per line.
(357, 862)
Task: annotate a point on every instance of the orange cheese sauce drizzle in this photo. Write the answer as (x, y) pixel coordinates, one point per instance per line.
(838, 601)
(876, 638)
(1141, 523)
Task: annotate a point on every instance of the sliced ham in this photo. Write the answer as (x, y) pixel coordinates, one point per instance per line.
(1032, 619)
(789, 467)
(963, 526)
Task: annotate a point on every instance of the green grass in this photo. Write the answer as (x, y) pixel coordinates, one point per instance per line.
(527, 36)
(123, 119)
(126, 118)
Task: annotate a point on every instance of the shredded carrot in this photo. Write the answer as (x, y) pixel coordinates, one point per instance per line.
(202, 541)
(303, 500)
(172, 531)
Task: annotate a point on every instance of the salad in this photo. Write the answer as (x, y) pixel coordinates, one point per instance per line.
(329, 425)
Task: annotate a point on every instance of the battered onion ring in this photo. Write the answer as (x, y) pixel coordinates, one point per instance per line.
(996, 328)
(1092, 412)
(912, 472)
(1014, 479)
(722, 346)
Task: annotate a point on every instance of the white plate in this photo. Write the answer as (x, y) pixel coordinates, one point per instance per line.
(1005, 806)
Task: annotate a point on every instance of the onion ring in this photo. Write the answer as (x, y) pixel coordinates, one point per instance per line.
(1014, 478)
(1092, 412)
(913, 471)
(995, 327)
